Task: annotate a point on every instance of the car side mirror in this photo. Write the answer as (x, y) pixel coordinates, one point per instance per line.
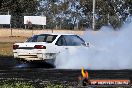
(87, 44)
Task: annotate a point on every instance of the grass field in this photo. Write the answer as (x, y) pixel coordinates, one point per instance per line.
(6, 44)
(6, 48)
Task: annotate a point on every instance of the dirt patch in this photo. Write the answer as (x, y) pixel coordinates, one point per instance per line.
(13, 39)
(28, 33)
(21, 35)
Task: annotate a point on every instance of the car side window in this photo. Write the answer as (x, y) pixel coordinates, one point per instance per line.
(50, 38)
(40, 38)
(61, 41)
(73, 40)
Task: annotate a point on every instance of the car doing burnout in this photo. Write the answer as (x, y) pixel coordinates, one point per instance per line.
(46, 46)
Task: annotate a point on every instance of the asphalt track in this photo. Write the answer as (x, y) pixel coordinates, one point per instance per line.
(39, 74)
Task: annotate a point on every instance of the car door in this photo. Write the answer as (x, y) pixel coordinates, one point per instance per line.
(74, 42)
(61, 44)
(70, 43)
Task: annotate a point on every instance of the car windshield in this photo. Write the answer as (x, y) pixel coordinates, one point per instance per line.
(42, 38)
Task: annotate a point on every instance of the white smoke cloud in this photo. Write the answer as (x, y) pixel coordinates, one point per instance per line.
(108, 49)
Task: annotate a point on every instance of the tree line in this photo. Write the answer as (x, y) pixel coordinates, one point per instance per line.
(70, 14)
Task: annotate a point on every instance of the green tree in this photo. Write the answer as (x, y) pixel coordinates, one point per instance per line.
(17, 8)
(118, 11)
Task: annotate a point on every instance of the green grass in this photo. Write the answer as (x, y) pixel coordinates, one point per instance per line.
(50, 85)
(16, 85)
(6, 49)
(22, 84)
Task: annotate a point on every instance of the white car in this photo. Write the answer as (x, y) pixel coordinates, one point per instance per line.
(46, 46)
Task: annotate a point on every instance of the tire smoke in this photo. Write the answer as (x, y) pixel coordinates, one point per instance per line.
(108, 49)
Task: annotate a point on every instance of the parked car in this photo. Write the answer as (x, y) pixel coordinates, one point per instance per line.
(46, 46)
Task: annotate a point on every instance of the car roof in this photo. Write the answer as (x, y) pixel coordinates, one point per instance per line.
(56, 34)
